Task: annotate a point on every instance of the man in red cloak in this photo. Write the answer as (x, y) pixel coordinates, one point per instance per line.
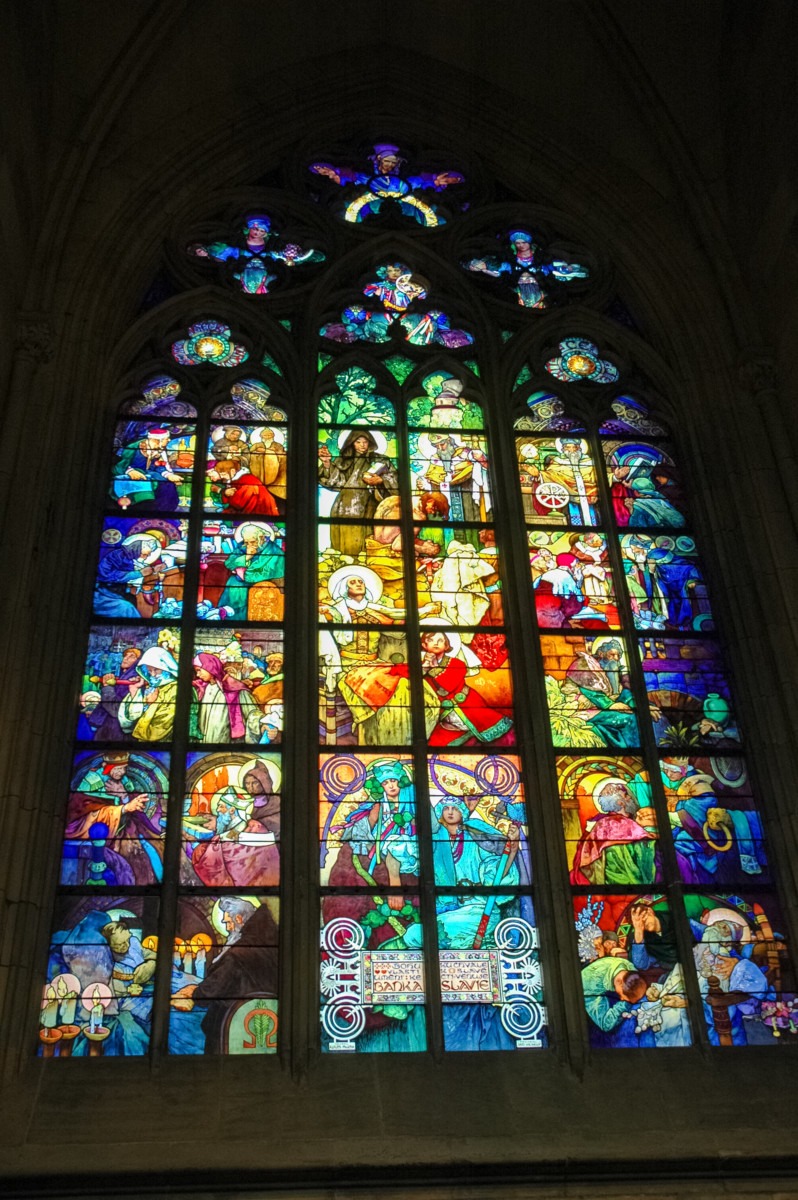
(241, 491)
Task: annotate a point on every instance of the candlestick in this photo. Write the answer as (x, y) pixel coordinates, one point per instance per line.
(49, 1039)
(95, 1038)
(68, 1035)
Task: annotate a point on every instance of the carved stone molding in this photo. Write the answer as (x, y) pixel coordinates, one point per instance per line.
(758, 374)
(34, 337)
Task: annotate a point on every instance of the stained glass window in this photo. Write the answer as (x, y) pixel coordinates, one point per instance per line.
(423, 824)
(476, 629)
(653, 787)
(170, 860)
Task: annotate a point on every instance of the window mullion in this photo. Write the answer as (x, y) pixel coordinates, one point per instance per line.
(421, 780)
(167, 920)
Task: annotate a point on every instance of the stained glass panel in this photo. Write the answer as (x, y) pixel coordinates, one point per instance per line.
(572, 580)
(688, 693)
(368, 592)
(153, 467)
(546, 414)
(381, 184)
(129, 684)
(364, 688)
(630, 416)
(457, 575)
(209, 342)
(519, 270)
(115, 819)
(632, 980)
(609, 823)
(238, 686)
(716, 828)
(160, 397)
(372, 974)
(242, 571)
(744, 966)
(246, 472)
(140, 572)
(249, 401)
(367, 821)
(578, 361)
(588, 692)
(479, 829)
(645, 486)
(468, 688)
(558, 480)
(394, 298)
(665, 582)
(97, 998)
(357, 473)
(231, 820)
(491, 979)
(450, 476)
(356, 401)
(444, 406)
(224, 976)
(257, 254)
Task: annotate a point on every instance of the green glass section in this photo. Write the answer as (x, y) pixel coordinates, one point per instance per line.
(507, 334)
(286, 323)
(523, 375)
(271, 363)
(399, 366)
(472, 366)
(322, 361)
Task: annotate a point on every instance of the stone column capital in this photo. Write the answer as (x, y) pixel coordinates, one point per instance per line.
(34, 337)
(759, 373)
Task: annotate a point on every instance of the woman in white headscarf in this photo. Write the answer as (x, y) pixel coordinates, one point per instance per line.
(148, 712)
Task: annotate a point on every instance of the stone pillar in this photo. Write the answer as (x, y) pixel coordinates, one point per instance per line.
(760, 378)
(26, 487)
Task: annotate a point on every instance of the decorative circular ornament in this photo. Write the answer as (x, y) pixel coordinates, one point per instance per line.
(342, 936)
(498, 776)
(579, 364)
(551, 495)
(343, 1020)
(210, 348)
(522, 1018)
(515, 937)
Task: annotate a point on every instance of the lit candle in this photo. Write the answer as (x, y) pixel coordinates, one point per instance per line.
(97, 1010)
(199, 963)
(49, 1008)
(68, 999)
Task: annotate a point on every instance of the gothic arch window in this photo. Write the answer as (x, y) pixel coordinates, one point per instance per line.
(172, 827)
(473, 656)
(664, 841)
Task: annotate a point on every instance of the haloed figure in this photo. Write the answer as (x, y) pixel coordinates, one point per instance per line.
(362, 477)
